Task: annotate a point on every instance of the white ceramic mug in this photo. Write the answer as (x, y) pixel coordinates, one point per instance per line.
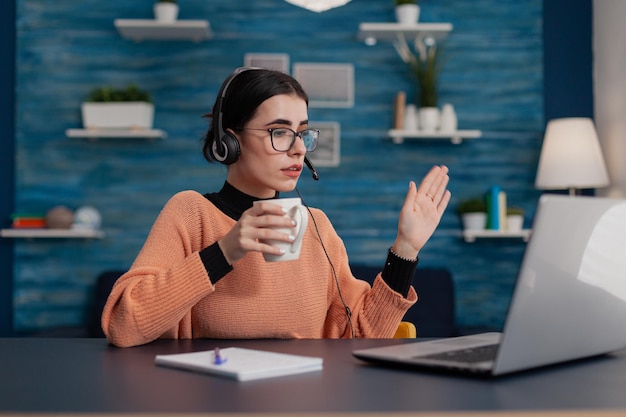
(296, 211)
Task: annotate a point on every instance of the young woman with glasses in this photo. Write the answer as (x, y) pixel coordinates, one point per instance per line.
(201, 272)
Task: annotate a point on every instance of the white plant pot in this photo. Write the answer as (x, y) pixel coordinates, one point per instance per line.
(118, 115)
(166, 12)
(429, 119)
(407, 14)
(474, 221)
(514, 222)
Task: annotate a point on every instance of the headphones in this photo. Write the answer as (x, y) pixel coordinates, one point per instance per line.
(225, 147)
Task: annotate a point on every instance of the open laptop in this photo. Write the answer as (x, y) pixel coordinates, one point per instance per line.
(569, 302)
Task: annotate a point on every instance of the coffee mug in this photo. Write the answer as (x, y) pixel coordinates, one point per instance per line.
(296, 211)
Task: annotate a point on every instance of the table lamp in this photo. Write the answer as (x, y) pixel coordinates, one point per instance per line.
(571, 157)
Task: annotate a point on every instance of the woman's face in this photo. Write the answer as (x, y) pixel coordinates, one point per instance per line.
(260, 170)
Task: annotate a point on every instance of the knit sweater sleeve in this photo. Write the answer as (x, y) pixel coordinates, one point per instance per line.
(374, 311)
(167, 279)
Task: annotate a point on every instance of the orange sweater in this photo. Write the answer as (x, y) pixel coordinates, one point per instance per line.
(167, 293)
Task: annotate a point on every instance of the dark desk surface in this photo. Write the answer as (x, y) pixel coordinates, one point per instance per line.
(87, 375)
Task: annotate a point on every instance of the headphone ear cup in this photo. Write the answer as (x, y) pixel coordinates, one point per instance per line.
(229, 150)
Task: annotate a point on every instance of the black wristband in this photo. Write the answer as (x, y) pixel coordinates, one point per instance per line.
(215, 262)
(398, 272)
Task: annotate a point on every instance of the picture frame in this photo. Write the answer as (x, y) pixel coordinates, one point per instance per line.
(278, 62)
(327, 84)
(328, 151)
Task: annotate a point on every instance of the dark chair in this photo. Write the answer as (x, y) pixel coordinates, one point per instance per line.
(104, 284)
(434, 312)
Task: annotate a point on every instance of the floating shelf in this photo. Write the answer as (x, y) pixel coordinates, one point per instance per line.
(370, 33)
(456, 137)
(116, 133)
(150, 29)
(52, 233)
(472, 235)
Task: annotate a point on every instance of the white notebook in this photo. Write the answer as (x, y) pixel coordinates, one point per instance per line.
(242, 364)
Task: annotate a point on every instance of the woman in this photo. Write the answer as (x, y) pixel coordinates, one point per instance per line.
(201, 272)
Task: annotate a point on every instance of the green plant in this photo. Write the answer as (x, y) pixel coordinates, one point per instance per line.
(472, 205)
(400, 2)
(130, 93)
(426, 68)
(514, 210)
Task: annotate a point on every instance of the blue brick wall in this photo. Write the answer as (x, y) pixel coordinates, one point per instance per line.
(493, 76)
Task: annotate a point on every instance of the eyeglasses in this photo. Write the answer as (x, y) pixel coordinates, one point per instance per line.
(284, 138)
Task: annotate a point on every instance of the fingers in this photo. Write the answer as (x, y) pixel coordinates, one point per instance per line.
(433, 186)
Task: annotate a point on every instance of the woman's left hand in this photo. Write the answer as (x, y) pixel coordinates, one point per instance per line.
(421, 212)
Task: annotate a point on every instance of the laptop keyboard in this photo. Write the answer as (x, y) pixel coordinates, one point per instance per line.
(469, 355)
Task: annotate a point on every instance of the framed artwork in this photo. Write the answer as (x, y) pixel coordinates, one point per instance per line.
(327, 153)
(327, 85)
(279, 62)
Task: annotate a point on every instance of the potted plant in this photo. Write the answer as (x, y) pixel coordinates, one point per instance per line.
(407, 11)
(426, 67)
(473, 212)
(514, 219)
(166, 10)
(117, 108)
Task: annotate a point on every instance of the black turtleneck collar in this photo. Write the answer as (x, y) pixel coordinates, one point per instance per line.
(233, 202)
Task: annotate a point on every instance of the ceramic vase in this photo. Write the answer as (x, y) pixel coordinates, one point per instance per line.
(407, 14)
(448, 119)
(514, 222)
(411, 122)
(165, 12)
(429, 119)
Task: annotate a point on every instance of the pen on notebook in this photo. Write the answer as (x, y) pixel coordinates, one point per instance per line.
(218, 357)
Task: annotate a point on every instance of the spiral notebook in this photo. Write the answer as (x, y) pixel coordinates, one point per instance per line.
(241, 364)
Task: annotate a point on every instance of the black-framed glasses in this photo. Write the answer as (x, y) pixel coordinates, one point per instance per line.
(283, 138)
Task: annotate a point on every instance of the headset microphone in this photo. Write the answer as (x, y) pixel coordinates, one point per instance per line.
(314, 173)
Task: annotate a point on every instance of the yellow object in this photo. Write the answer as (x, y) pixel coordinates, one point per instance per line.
(406, 330)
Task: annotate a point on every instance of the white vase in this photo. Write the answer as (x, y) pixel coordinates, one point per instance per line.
(474, 221)
(429, 119)
(448, 119)
(407, 14)
(165, 12)
(514, 222)
(411, 122)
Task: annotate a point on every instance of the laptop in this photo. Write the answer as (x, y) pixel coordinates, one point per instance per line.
(569, 301)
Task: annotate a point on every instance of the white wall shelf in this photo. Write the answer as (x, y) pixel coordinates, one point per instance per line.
(116, 133)
(398, 136)
(52, 233)
(471, 235)
(370, 33)
(150, 29)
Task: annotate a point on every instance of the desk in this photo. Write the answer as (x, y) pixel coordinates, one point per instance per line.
(89, 376)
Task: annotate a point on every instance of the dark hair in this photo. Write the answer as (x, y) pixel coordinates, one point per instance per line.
(245, 93)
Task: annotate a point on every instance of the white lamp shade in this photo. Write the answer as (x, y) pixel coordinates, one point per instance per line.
(571, 156)
(318, 5)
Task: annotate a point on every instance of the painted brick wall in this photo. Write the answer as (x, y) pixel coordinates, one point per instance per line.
(493, 76)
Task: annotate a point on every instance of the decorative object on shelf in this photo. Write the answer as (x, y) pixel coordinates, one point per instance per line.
(87, 218)
(411, 122)
(514, 219)
(407, 11)
(111, 108)
(571, 157)
(318, 5)
(166, 10)
(399, 105)
(449, 122)
(473, 213)
(28, 221)
(59, 217)
(495, 199)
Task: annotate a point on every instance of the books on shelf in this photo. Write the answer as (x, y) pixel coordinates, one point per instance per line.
(496, 208)
(241, 364)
